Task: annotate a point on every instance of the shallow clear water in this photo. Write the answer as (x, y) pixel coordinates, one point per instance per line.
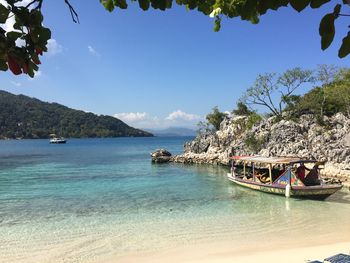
(95, 198)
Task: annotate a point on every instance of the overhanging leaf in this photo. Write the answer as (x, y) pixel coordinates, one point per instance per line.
(318, 3)
(144, 4)
(345, 47)
(3, 65)
(299, 5)
(217, 24)
(337, 10)
(45, 34)
(265, 5)
(121, 3)
(13, 36)
(327, 30)
(4, 13)
(108, 4)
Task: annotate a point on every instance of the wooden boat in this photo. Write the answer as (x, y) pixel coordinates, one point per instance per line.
(281, 175)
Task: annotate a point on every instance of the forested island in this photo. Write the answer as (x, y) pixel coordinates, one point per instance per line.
(22, 117)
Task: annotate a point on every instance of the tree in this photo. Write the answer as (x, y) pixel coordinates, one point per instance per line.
(327, 73)
(204, 128)
(20, 47)
(268, 87)
(242, 109)
(328, 99)
(216, 117)
(339, 91)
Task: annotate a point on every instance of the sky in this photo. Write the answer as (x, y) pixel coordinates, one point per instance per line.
(158, 69)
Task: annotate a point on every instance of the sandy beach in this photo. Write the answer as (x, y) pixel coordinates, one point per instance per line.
(223, 253)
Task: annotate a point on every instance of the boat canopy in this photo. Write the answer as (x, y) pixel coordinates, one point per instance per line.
(272, 160)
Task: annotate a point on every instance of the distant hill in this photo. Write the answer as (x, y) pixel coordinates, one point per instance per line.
(25, 117)
(173, 131)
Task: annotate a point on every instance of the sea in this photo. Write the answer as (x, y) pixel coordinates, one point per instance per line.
(94, 199)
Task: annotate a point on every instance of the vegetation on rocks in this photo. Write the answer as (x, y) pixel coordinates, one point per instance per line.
(242, 109)
(254, 143)
(215, 118)
(275, 91)
(326, 100)
(315, 125)
(25, 117)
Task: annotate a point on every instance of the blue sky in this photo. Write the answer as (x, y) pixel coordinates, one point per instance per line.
(156, 69)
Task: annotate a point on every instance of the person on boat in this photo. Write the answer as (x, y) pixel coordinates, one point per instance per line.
(300, 172)
(312, 177)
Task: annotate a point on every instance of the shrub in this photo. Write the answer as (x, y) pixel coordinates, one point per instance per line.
(253, 143)
(252, 119)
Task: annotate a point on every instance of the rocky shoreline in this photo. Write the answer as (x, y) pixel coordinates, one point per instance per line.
(305, 137)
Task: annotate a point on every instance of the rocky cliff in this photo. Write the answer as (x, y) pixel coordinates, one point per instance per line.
(304, 137)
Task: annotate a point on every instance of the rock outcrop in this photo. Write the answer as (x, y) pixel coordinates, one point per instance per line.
(161, 156)
(304, 137)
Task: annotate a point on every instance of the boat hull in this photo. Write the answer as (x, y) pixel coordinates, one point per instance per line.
(58, 142)
(318, 192)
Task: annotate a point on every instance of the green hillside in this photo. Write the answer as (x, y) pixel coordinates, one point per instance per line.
(25, 117)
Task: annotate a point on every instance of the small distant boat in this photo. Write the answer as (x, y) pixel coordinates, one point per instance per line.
(286, 176)
(55, 139)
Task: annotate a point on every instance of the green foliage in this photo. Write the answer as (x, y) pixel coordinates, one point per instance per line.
(4, 13)
(29, 29)
(253, 119)
(313, 103)
(338, 92)
(29, 24)
(269, 86)
(253, 143)
(318, 3)
(326, 73)
(345, 47)
(242, 109)
(215, 118)
(327, 30)
(299, 5)
(24, 117)
(331, 98)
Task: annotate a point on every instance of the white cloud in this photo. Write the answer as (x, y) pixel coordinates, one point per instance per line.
(131, 116)
(53, 47)
(144, 120)
(180, 115)
(17, 84)
(93, 51)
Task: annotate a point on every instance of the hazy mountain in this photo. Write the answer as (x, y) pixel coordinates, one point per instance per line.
(173, 131)
(25, 117)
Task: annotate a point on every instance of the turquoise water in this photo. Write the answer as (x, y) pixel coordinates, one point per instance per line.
(97, 198)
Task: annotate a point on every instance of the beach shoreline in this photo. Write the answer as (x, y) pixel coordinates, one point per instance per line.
(224, 253)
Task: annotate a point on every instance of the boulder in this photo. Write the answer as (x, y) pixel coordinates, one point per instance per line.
(160, 156)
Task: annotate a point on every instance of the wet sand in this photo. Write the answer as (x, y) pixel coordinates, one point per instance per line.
(224, 253)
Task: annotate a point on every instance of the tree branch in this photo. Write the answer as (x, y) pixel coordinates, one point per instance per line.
(73, 13)
(259, 101)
